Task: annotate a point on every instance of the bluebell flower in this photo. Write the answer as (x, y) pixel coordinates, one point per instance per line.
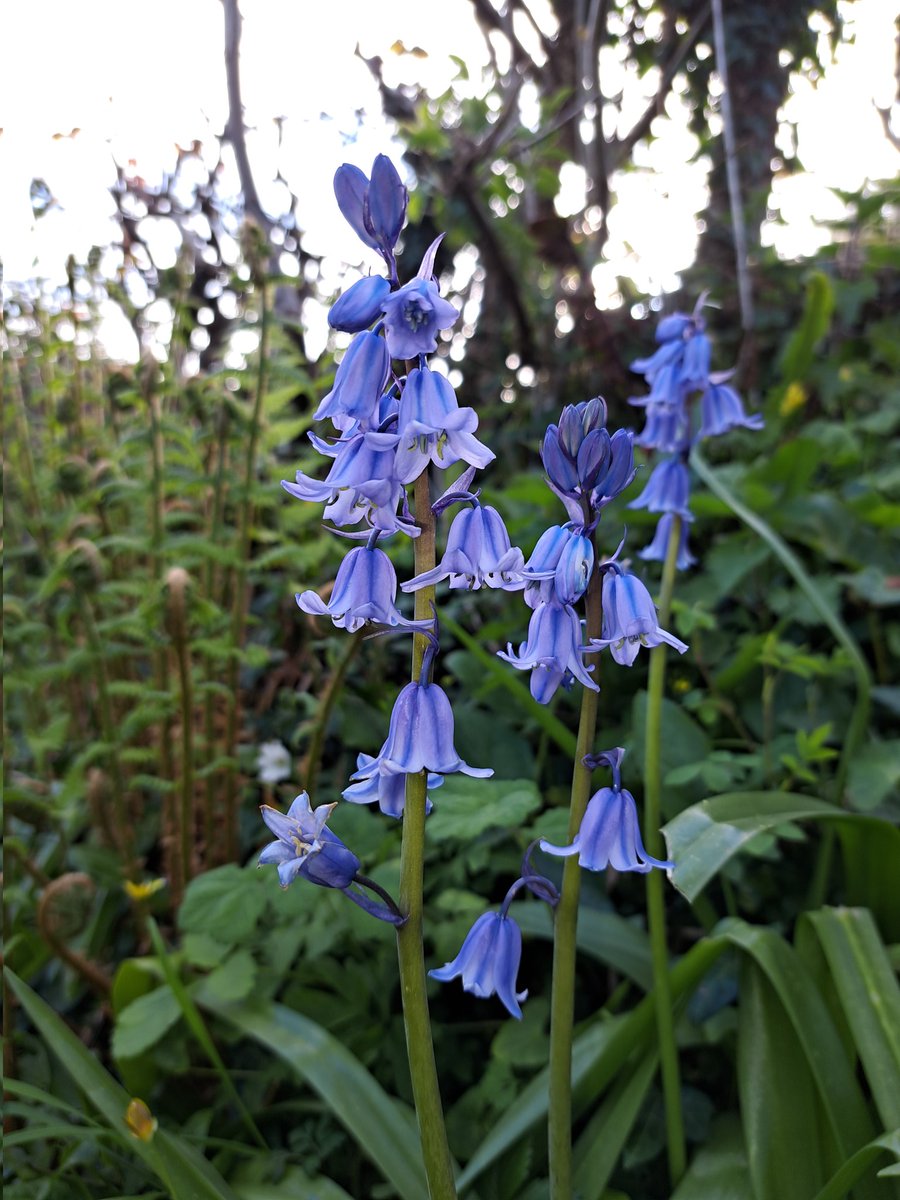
(360, 305)
(539, 571)
(553, 651)
(667, 490)
(629, 618)
(657, 549)
(666, 429)
(489, 961)
(306, 847)
(420, 735)
(416, 313)
(363, 593)
(559, 567)
(413, 316)
(478, 552)
(609, 834)
(358, 383)
(433, 428)
(721, 410)
(361, 485)
(388, 788)
(375, 209)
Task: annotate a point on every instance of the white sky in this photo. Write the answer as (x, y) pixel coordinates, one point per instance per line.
(100, 60)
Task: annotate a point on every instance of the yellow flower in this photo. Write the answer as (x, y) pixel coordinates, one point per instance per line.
(140, 1120)
(795, 397)
(143, 891)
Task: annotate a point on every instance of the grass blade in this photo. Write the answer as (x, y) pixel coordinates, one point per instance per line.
(855, 1168)
(849, 1123)
(384, 1130)
(870, 997)
(777, 1093)
(599, 1146)
(596, 1057)
(182, 1169)
(197, 1026)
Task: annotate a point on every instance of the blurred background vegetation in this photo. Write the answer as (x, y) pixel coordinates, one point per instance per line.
(153, 649)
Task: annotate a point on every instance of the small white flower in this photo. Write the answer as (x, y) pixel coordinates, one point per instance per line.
(273, 762)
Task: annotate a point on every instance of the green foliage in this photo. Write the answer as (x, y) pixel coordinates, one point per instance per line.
(262, 1028)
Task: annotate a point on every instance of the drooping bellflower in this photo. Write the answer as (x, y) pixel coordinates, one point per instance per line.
(363, 593)
(553, 651)
(609, 834)
(629, 618)
(372, 783)
(416, 313)
(489, 961)
(478, 553)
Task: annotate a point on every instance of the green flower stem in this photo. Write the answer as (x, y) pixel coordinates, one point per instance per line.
(656, 910)
(177, 583)
(161, 665)
(239, 597)
(210, 668)
(419, 1048)
(562, 995)
(123, 823)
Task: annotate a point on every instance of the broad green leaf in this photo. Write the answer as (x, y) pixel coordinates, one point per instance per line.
(597, 1055)
(719, 1170)
(143, 1022)
(383, 1128)
(839, 1093)
(858, 1166)
(603, 935)
(875, 774)
(599, 1146)
(181, 1168)
(293, 1184)
(466, 807)
(870, 996)
(233, 980)
(702, 839)
(225, 903)
(777, 1094)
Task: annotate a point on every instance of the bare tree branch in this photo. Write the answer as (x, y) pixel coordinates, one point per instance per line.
(622, 147)
(234, 128)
